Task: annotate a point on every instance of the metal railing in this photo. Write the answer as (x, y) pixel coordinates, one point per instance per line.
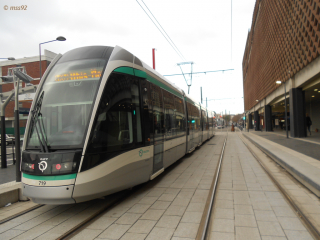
(12, 151)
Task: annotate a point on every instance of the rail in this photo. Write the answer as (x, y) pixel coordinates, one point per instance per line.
(204, 224)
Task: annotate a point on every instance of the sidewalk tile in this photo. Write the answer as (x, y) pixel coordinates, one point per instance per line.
(298, 235)
(187, 230)
(247, 233)
(270, 229)
(223, 225)
(142, 226)
(168, 221)
(245, 221)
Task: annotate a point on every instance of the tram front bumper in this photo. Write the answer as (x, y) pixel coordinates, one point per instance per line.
(49, 195)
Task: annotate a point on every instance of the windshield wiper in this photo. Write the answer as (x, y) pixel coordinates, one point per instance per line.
(35, 117)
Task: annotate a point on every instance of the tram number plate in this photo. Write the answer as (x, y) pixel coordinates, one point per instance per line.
(42, 183)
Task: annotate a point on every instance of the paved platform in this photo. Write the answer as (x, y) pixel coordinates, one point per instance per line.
(314, 137)
(169, 207)
(298, 157)
(307, 146)
(249, 205)
(8, 174)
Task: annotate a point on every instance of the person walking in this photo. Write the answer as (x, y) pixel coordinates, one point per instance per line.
(309, 123)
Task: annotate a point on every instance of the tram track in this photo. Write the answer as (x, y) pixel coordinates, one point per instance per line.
(308, 224)
(77, 210)
(14, 216)
(90, 219)
(207, 213)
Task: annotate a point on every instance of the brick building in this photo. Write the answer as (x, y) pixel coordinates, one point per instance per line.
(283, 44)
(32, 67)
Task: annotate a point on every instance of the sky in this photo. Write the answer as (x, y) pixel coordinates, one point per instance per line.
(200, 29)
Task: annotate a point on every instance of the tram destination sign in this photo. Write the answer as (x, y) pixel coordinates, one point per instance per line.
(78, 75)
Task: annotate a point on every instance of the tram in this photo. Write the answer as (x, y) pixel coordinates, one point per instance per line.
(103, 121)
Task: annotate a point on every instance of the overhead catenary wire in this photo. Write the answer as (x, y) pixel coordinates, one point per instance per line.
(163, 29)
(175, 48)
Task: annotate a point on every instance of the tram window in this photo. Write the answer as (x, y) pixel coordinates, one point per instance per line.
(179, 116)
(65, 103)
(118, 123)
(196, 114)
(191, 120)
(204, 120)
(158, 117)
(169, 110)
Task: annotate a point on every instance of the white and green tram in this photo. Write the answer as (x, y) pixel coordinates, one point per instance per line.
(103, 121)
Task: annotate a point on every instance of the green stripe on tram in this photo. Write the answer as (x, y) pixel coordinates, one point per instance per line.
(126, 70)
(50, 178)
(142, 74)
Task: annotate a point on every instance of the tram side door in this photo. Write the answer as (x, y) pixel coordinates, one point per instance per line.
(159, 128)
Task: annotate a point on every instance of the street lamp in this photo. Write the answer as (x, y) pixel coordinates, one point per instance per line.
(57, 39)
(9, 58)
(285, 97)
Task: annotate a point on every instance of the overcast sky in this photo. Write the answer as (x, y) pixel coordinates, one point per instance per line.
(201, 30)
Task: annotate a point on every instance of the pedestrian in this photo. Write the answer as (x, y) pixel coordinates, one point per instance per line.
(309, 123)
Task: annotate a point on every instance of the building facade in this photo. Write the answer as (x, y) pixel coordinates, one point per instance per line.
(283, 44)
(32, 67)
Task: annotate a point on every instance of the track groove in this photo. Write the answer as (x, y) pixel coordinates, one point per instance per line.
(204, 224)
(20, 213)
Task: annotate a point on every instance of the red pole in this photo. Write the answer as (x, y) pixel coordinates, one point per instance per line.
(153, 58)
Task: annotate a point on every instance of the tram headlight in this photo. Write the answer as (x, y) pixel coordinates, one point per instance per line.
(28, 167)
(64, 167)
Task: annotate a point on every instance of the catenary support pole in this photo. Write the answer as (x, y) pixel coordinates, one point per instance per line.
(154, 58)
(17, 128)
(3, 133)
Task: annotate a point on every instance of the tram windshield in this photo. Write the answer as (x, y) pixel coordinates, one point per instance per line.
(61, 114)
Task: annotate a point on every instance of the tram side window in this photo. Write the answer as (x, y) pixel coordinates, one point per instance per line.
(191, 120)
(204, 120)
(158, 117)
(179, 116)
(118, 123)
(168, 100)
(196, 116)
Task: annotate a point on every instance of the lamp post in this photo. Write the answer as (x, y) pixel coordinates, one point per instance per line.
(285, 103)
(57, 39)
